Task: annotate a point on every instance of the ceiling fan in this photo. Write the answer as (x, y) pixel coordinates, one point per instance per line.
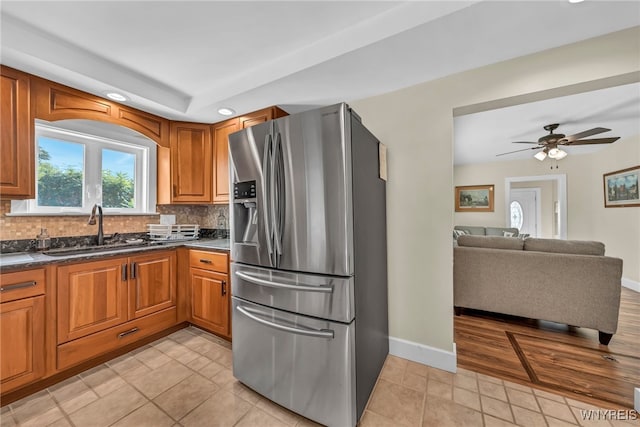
(550, 143)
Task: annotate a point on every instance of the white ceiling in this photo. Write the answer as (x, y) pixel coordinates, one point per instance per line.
(184, 60)
(479, 137)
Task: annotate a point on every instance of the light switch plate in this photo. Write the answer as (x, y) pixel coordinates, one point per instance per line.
(167, 219)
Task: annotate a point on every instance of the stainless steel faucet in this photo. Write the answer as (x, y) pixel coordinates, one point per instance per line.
(92, 221)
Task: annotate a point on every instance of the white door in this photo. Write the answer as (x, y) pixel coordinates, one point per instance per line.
(524, 210)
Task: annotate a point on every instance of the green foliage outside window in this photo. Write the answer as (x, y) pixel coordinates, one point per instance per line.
(63, 186)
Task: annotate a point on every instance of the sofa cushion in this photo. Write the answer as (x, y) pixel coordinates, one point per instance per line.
(492, 242)
(476, 231)
(499, 231)
(577, 247)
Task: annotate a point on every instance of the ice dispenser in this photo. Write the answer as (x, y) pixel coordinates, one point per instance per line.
(245, 212)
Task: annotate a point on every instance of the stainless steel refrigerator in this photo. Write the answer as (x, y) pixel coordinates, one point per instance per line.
(309, 266)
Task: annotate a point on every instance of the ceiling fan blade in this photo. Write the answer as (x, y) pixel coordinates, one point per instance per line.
(524, 142)
(517, 151)
(585, 133)
(592, 141)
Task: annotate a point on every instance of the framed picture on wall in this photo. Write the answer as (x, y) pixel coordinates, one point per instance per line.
(474, 198)
(621, 188)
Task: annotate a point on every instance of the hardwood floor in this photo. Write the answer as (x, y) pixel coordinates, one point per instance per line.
(554, 357)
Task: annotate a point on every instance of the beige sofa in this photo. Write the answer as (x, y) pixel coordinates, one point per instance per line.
(564, 281)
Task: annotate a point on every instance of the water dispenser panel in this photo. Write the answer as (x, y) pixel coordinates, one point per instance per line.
(244, 190)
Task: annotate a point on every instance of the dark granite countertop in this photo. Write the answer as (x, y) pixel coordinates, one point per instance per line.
(24, 260)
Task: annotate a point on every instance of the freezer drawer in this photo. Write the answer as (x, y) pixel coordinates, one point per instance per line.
(325, 297)
(301, 363)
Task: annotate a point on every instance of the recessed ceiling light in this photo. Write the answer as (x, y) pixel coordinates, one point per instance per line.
(226, 111)
(576, 1)
(116, 96)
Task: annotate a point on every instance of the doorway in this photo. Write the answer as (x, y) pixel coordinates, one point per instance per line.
(558, 207)
(525, 210)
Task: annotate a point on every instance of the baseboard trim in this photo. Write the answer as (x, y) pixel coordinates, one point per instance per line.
(631, 284)
(435, 357)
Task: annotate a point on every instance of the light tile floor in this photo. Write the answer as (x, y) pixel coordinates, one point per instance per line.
(185, 380)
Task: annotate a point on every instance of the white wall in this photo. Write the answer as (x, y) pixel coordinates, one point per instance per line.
(416, 124)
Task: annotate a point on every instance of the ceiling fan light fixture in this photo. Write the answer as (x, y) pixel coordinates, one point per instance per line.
(561, 154)
(540, 155)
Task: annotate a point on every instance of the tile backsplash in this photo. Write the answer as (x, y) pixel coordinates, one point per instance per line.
(27, 227)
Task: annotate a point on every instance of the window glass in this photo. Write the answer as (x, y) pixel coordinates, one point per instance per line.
(60, 173)
(80, 164)
(517, 215)
(118, 179)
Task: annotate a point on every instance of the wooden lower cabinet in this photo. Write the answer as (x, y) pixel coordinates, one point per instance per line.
(210, 300)
(210, 291)
(92, 296)
(22, 345)
(22, 328)
(80, 350)
(152, 283)
(103, 305)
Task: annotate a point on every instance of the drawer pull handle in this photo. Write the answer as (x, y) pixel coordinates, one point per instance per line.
(224, 288)
(206, 261)
(124, 272)
(133, 270)
(18, 286)
(129, 332)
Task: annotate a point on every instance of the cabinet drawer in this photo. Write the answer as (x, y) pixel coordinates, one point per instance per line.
(215, 261)
(21, 284)
(85, 348)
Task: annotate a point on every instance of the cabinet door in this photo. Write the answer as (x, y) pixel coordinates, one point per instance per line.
(91, 297)
(152, 283)
(261, 116)
(210, 300)
(221, 133)
(191, 163)
(21, 342)
(17, 176)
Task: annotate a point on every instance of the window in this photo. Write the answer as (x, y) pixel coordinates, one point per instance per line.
(75, 170)
(517, 215)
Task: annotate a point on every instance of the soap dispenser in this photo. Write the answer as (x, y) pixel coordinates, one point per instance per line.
(43, 241)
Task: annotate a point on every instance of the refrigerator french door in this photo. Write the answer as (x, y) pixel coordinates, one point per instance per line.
(308, 251)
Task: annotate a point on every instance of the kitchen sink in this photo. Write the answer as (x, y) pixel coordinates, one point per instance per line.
(92, 249)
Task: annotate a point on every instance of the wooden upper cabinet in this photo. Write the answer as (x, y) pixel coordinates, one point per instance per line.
(54, 101)
(260, 116)
(152, 283)
(221, 133)
(191, 158)
(17, 161)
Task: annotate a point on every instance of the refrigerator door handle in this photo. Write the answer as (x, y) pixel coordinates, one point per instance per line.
(322, 333)
(269, 283)
(266, 191)
(278, 196)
